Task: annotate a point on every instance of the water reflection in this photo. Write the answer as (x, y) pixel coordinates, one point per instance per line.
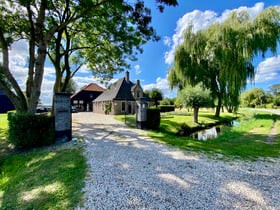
(213, 132)
(207, 134)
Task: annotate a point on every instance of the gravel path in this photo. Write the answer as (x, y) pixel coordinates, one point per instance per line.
(127, 170)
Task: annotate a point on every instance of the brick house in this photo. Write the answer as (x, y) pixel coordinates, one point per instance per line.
(120, 97)
(84, 97)
(5, 103)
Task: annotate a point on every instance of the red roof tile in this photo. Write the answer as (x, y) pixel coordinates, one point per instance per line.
(93, 87)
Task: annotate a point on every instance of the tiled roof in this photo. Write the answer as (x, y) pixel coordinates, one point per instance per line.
(117, 91)
(120, 90)
(93, 87)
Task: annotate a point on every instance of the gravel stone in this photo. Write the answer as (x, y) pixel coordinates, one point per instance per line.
(128, 170)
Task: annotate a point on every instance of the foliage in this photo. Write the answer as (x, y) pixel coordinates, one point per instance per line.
(184, 130)
(221, 56)
(105, 35)
(248, 140)
(108, 107)
(167, 101)
(195, 97)
(167, 108)
(43, 179)
(71, 87)
(253, 97)
(155, 94)
(153, 118)
(274, 89)
(276, 101)
(28, 131)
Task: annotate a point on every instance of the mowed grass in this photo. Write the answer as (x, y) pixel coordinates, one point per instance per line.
(247, 140)
(45, 178)
(5, 146)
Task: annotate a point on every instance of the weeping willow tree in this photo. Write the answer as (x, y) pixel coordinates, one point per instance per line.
(221, 56)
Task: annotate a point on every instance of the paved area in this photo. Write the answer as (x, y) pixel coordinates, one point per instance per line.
(127, 170)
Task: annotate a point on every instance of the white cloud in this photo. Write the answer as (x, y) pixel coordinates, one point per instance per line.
(163, 85)
(201, 20)
(18, 63)
(47, 91)
(268, 70)
(82, 81)
(167, 41)
(137, 69)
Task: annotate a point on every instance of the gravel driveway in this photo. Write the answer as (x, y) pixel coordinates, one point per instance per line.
(127, 170)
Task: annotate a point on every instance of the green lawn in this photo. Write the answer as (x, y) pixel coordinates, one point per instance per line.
(5, 147)
(248, 140)
(45, 178)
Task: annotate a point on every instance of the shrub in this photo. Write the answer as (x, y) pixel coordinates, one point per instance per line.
(28, 131)
(184, 130)
(167, 108)
(108, 108)
(153, 118)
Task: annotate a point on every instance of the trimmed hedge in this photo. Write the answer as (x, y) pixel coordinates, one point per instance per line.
(28, 131)
(153, 118)
(167, 108)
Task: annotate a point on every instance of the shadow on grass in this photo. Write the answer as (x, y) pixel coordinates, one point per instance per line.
(267, 116)
(230, 143)
(42, 180)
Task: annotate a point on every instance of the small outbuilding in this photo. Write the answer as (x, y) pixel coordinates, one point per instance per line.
(82, 99)
(120, 97)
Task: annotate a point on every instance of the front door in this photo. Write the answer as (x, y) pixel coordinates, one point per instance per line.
(129, 108)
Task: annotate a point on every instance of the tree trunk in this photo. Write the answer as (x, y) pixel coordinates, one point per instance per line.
(219, 105)
(195, 114)
(38, 78)
(42, 40)
(32, 47)
(7, 81)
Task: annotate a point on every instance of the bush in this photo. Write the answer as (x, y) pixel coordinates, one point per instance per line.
(184, 130)
(153, 118)
(28, 131)
(167, 108)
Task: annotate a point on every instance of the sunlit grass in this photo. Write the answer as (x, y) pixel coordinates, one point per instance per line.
(129, 120)
(3, 121)
(43, 180)
(247, 140)
(5, 146)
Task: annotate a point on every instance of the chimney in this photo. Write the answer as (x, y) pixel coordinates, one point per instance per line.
(138, 82)
(127, 76)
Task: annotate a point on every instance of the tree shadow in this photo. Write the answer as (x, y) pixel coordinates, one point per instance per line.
(145, 174)
(42, 179)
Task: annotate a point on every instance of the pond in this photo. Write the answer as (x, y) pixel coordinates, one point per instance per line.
(211, 133)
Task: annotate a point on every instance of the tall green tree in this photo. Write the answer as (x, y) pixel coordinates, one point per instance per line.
(43, 22)
(221, 56)
(196, 97)
(274, 89)
(155, 94)
(253, 97)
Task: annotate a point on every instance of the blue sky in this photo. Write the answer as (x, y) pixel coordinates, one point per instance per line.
(157, 57)
(152, 66)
